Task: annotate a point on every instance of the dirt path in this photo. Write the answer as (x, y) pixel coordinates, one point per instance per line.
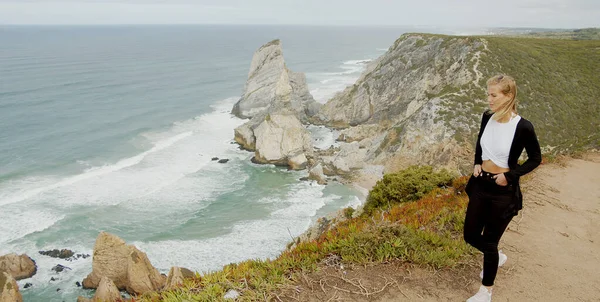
(553, 250)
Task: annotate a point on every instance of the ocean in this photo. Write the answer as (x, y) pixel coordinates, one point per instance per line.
(113, 128)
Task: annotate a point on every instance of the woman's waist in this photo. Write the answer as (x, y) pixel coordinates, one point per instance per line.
(490, 167)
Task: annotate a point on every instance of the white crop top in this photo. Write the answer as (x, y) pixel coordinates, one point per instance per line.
(496, 140)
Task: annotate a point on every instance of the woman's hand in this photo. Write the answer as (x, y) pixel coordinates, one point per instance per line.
(500, 179)
(476, 170)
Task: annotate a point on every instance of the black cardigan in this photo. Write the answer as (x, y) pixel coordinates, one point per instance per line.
(524, 138)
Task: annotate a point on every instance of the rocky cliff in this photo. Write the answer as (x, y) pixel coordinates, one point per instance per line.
(394, 110)
(271, 86)
(421, 102)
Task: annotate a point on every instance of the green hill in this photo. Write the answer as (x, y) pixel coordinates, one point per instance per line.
(558, 87)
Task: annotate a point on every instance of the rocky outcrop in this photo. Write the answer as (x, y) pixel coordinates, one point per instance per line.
(278, 102)
(414, 70)
(125, 265)
(9, 290)
(55, 253)
(177, 275)
(272, 87)
(20, 267)
(244, 135)
(349, 157)
(106, 292)
(316, 173)
(282, 140)
(398, 110)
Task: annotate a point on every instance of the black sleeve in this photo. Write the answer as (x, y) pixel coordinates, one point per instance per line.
(478, 151)
(534, 155)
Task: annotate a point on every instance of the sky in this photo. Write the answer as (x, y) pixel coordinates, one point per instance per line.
(456, 13)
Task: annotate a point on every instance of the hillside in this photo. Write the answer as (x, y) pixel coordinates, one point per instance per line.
(591, 33)
(576, 34)
(426, 94)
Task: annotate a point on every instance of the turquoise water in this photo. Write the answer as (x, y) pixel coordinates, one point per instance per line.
(113, 129)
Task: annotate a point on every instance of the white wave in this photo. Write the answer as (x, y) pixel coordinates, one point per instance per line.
(95, 171)
(17, 223)
(357, 62)
(65, 280)
(150, 178)
(259, 239)
(325, 85)
(323, 137)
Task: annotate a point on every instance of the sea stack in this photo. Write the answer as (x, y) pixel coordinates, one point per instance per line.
(271, 86)
(278, 103)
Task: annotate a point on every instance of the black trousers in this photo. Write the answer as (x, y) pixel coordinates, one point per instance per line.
(484, 222)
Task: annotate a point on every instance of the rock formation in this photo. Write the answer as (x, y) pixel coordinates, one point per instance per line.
(177, 275)
(9, 290)
(282, 140)
(106, 292)
(278, 102)
(125, 265)
(271, 86)
(20, 267)
(395, 111)
(316, 173)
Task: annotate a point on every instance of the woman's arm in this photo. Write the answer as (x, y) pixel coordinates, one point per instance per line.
(534, 156)
(478, 160)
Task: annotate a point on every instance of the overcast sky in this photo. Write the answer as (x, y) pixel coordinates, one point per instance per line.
(458, 13)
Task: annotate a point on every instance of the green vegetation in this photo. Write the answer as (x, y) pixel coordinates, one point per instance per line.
(427, 232)
(558, 82)
(558, 85)
(577, 34)
(407, 185)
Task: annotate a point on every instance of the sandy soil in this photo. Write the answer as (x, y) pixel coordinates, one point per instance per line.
(553, 249)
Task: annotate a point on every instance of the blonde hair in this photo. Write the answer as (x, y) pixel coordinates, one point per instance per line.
(508, 87)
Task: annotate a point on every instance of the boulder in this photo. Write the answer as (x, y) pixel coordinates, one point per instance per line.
(62, 254)
(20, 267)
(350, 156)
(106, 292)
(59, 268)
(176, 276)
(316, 173)
(282, 140)
(298, 162)
(244, 136)
(125, 265)
(9, 290)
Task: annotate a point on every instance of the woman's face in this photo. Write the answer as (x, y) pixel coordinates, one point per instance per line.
(496, 98)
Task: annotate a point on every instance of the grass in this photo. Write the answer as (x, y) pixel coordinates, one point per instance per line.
(558, 85)
(577, 34)
(426, 231)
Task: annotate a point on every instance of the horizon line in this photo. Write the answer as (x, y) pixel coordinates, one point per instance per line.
(289, 24)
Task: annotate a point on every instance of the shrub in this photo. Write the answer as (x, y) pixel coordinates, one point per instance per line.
(348, 212)
(404, 186)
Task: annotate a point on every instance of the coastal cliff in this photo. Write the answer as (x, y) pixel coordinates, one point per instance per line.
(421, 102)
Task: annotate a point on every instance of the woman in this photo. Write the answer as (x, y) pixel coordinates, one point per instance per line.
(493, 189)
